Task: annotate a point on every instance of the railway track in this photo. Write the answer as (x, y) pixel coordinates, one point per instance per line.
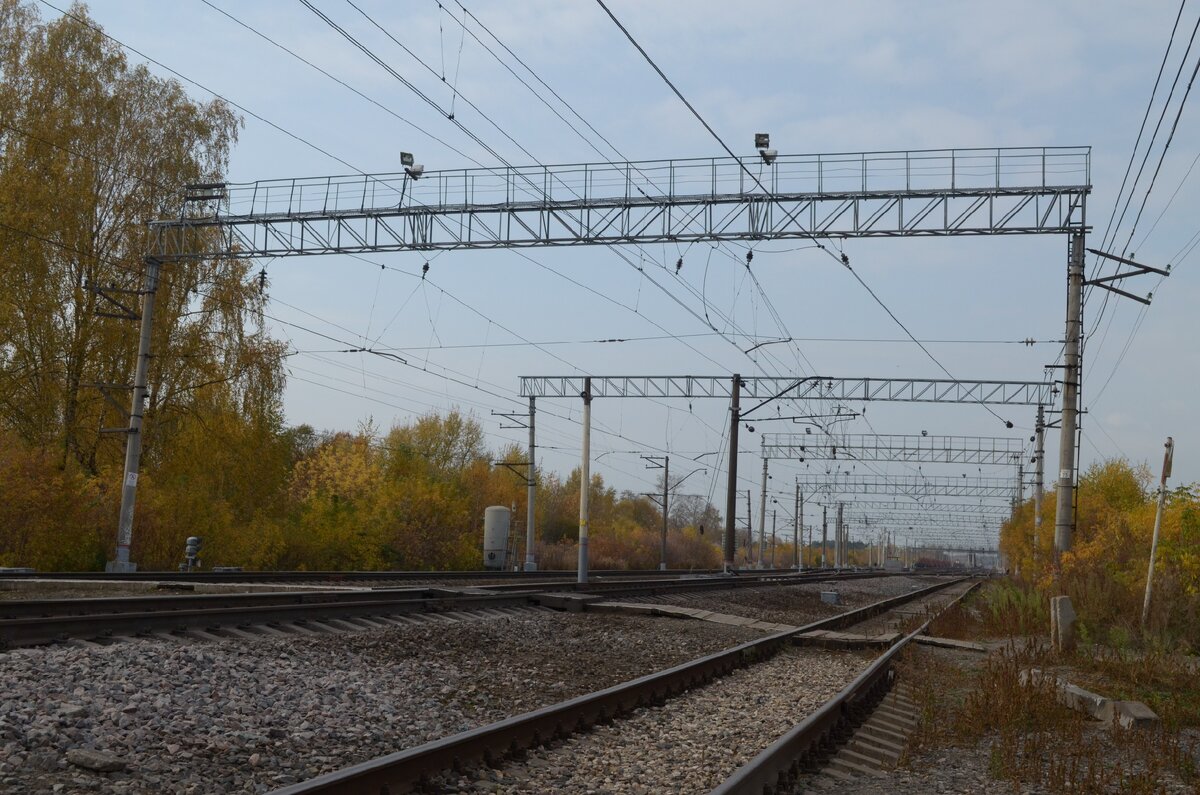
(417, 767)
(44, 621)
(356, 577)
(858, 731)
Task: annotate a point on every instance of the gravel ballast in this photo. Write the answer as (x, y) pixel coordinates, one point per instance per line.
(690, 744)
(255, 715)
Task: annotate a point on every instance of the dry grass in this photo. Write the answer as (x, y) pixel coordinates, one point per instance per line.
(1167, 683)
(1030, 738)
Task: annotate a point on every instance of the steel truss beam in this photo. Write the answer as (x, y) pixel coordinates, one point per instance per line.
(942, 540)
(1036, 190)
(926, 520)
(922, 508)
(953, 544)
(816, 387)
(960, 550)
(915, 448)
(915, 486)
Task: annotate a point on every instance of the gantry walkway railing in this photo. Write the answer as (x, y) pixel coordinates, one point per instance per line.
(1030, 190)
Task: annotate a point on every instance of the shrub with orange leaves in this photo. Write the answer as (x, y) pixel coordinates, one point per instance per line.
(1105, 570)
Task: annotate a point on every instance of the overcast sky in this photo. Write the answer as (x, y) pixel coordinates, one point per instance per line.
(819, 77)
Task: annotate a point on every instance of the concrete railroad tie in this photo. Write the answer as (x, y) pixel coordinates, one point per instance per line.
(876, 745)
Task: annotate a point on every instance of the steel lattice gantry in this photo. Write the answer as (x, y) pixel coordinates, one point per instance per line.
(905, 390)
(979, 523)
(914, 486)
(914, 448)
(896, 508)
(946, 192)
(766, 389)
(1033, 190)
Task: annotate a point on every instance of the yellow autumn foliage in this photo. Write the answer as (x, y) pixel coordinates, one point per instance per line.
(1105, 570)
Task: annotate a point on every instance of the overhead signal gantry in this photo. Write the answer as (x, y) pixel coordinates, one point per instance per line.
(927, 193)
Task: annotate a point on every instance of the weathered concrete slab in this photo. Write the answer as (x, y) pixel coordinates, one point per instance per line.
(737, 621)
(1134, 715)
(634, 608)
(1128, 714)
(951, 643)
(677, 611)
(826, 639)
(570, 602)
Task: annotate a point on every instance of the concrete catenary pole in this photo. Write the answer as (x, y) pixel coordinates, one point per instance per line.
(749, 530)
(585, 480)
(799, 517)
(824, 535)
(1020, 483)
(662, 563)
(133, 439)
(1064, 513)
(1162, 498)
(774, 516)
(841, 530)
(731, 489)
(762, 519)
(1039, 456)
(531, 496)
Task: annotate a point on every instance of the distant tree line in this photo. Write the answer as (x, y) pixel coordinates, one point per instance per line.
(91, 147)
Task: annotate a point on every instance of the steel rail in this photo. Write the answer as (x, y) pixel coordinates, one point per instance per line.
(103, 605)
(36, 631)
(778, 766)
(345, 576)
(67, 605)
(404, 770)
(37, 622)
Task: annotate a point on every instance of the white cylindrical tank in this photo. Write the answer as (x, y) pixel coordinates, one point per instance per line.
(496, 519)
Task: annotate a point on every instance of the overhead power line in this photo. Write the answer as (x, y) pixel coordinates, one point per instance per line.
(843, 259)
(202, 87)
(341, 82)
(295, 137)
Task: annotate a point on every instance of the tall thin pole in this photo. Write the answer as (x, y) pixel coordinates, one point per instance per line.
(585, 480)
(774, 516)
(749, 530)
(731, 489)
(531, 496)
(1162, 498)
(1039, 457)
(841, 530)
(133, 439)
(796, 531)
(762, 519)
(1064, 516)
(824, 536)
(662, 563)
